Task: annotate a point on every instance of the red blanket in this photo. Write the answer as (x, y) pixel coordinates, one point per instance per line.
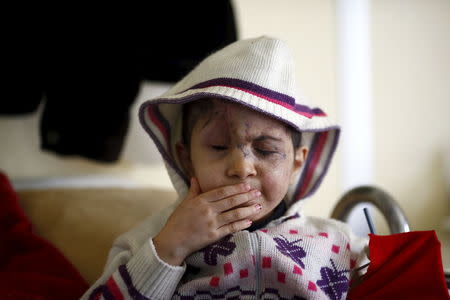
(30, 266)
(403, 266)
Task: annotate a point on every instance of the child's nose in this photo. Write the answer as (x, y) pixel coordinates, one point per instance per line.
(241, 164)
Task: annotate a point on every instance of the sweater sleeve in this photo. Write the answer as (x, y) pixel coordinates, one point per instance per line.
(134, 270)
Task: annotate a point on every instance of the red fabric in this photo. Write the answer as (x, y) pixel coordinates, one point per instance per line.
(31, 267)
(403, 266)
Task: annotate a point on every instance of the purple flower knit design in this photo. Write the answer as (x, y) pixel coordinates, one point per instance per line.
(223, 247)
(333, 283)
(295, 252)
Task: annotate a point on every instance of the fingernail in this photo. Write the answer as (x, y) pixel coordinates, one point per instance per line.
(249, 222)
(258, 206)
(257, 193)
(247, 186)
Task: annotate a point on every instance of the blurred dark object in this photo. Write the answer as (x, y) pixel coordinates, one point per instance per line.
(30, 266)
(89, 65)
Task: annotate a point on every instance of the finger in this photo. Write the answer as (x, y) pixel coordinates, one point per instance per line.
(194, 189)
(234, 227)
(236, 200)
(238, 214)
(226, 191)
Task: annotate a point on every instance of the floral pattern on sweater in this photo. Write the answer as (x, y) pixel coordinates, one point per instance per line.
(290, 249)
(334, 283)
(285, 260)
(224, 247)
(291, 258)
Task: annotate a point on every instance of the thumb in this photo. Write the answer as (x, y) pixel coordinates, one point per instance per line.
(194, 189)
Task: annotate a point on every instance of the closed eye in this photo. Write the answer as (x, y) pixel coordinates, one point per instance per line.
(219, 147)
(265, 152)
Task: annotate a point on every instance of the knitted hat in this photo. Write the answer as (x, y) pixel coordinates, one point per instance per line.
(257, 73)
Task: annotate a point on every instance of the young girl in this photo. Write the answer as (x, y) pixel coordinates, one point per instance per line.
(242, 151)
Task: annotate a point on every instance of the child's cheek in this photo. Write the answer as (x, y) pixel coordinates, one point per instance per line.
(208, 178)
(275, 184)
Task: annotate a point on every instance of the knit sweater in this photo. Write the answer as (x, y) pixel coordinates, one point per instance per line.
(292, 257)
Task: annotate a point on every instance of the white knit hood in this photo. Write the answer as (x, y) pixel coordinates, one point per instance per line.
(258, 73)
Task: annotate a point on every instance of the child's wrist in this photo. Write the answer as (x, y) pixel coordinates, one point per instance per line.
(171, 254)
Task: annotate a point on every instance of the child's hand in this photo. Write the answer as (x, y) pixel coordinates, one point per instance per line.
(204, 218)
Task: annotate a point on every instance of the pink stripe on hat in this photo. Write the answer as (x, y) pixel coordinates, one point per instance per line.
(312, 164)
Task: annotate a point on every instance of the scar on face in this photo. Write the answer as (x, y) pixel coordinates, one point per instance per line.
(245, 151)
(247, 128)
(225, 113)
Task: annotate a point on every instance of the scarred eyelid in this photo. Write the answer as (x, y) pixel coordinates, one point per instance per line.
(266, 152)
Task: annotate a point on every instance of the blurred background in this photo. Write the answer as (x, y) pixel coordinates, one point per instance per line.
(380, 68)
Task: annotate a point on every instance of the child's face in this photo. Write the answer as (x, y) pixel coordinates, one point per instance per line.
(234, 144)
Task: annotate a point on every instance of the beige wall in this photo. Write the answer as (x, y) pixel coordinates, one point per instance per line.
(411, 81)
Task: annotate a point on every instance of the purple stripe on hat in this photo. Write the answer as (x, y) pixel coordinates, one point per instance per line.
(307, 191)
(134, 293)
(288, 101)
(326, 164)
(155, 117)
(246, 86)
(161, 148)
(166, 125)
(313, 111)
(162, 124)
(161, 117)
(301, 182)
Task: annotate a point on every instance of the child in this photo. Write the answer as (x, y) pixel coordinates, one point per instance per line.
(242, 149)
